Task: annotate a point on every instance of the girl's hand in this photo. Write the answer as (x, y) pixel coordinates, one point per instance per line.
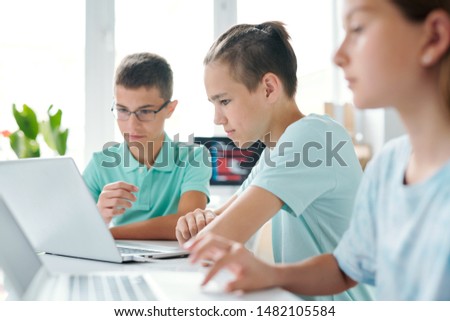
(250, 273)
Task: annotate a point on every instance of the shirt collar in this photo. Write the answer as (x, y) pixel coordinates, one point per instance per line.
(164, 162)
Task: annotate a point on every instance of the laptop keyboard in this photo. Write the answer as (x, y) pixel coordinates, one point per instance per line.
(109, 288)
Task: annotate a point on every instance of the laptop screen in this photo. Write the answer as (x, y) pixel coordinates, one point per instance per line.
(17, 257)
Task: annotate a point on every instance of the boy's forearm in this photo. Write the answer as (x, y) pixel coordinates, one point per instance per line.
(163, 227)
(227, 204)
(319, 275)
(159, 228)
(243, 217)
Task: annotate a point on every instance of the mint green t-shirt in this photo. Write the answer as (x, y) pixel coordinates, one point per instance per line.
(314, 170)
(179, 167)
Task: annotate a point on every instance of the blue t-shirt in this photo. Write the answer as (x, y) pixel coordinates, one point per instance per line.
(399, 238)
(314, 170)
(178, 168)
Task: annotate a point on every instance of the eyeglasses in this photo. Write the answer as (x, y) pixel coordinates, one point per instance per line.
(144, 114)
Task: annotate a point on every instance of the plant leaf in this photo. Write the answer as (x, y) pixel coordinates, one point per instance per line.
(46, 132)
(55, 120)
(23, 146)
(53, 136)
(27, 121)
(61, 142)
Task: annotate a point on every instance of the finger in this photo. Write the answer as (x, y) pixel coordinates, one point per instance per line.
(109, 213)
(118, 211)
(209, 217)
(192, 243)
(180, 238)
(118, 193)
(122, 203)
(237, 285)
(218, 266)
(121, 185)
(210, 247)
(116, 202)
(191, 222)
(240, 282)
(200, 221)
(183, 228)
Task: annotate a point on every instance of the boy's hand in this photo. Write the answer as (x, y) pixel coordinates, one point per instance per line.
(115, 199)
(193, 222)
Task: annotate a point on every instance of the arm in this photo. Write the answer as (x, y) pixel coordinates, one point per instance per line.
(246, 214)
(319, 275)
(227, 204)
(161, 228)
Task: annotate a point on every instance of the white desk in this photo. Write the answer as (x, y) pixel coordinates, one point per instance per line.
(60, 264)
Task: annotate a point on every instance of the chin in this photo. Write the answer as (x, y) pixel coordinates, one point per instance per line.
(368, 107)
(366, 104)
(243, 144)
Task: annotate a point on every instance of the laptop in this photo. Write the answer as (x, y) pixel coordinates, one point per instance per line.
(58, 214)
(27, 278)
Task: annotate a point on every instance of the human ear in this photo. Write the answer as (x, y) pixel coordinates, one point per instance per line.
(437, 33)
(171, 108)
(272, 85)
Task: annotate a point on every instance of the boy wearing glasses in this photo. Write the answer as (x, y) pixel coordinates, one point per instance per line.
(143, 185)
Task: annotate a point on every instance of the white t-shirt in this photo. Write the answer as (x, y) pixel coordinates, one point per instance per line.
(399, 239)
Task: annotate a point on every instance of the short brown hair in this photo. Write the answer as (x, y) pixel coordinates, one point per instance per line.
(145, 70)
(251, 51)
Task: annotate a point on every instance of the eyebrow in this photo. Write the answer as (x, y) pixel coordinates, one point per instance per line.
(360, 8)
(142, 107)
(216, 97)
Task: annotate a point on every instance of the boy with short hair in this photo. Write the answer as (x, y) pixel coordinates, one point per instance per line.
(143, 185)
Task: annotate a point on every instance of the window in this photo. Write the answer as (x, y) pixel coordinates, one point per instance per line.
(182, 32)
(310, 25)
(42, 63)
(43, 56)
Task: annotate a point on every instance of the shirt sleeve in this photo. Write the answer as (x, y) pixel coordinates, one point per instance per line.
(198, 172)
(356, 252)
(91, 178)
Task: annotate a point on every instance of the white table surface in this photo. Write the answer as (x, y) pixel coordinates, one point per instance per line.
(182, 267)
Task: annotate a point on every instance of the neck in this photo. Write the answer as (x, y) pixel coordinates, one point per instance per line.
(428, 126)
(284, 114)
(147, 153)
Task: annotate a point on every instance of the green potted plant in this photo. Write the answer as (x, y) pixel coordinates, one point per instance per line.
(24, 141)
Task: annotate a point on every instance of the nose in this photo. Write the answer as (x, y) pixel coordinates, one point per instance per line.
(340, 57)
(133, 121)
(219, 117)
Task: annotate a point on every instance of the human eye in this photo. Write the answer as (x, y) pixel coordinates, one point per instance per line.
(353, 27)
(146, 112)
(357, 23)
(224, 102)
(356, 29)
(122, 110)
